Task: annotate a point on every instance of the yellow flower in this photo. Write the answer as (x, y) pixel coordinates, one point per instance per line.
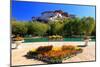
(77, 48)
(33, 49)
(56, 48)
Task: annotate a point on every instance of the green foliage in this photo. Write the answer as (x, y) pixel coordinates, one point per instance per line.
(87, 25)
(18, 28)
(63, 27)
(37, 28)
(56, 28)
(72, 27)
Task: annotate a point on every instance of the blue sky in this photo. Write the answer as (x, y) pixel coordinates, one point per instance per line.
(23, 11)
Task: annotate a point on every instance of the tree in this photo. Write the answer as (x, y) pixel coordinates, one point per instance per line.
(87, 25)
(75, 26)
(37, 28)
(18, 28)
(56, 28)
(67, 28)
(94, 31)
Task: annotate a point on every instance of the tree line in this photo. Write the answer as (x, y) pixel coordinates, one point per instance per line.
(66, 27)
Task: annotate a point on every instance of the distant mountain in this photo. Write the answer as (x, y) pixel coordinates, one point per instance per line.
(52, 16)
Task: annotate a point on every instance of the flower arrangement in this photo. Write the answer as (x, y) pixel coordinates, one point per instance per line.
(49, 55)
(55, 37)
(18, 38)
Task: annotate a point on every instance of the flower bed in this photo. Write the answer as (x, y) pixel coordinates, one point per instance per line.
(18, 38)
(54, 56)
(55, 37)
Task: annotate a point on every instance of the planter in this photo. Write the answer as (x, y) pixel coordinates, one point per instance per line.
(18, 43)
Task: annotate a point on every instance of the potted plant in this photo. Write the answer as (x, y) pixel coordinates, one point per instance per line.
(86, 40)
(18, 40)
